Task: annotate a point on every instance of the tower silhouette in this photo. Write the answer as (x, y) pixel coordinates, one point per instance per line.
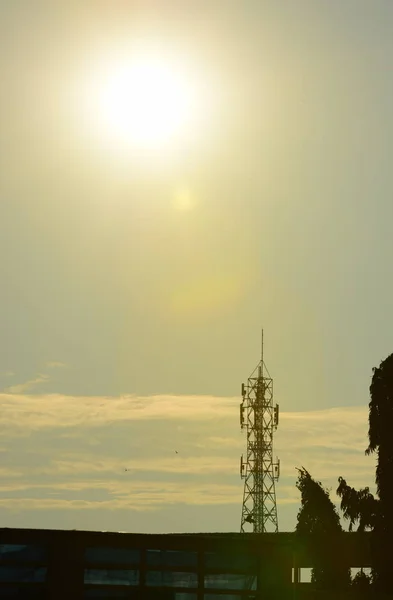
(259, 418)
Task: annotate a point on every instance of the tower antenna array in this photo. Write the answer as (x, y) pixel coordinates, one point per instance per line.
(259, 418)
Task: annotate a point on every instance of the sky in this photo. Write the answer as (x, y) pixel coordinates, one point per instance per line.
(130, 317)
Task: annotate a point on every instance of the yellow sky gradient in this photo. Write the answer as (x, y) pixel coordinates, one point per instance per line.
(149, 273)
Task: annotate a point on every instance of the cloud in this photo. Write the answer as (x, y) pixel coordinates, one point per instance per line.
(31, 384)
(43, 504)
(54, 410)
(192, 465)
(225, 442)
(21, 388)
(330, 439)
(137, 494)
(71, 452)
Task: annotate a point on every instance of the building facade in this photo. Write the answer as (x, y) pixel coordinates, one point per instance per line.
(38, 564)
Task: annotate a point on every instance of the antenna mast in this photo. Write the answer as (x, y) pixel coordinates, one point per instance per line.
(259, 418)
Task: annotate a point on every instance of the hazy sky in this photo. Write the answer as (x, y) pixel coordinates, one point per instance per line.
(111, 288)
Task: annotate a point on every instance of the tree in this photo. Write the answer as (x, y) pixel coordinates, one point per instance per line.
(361, 581)
(358, 506)
(318, 517)
(380, 435)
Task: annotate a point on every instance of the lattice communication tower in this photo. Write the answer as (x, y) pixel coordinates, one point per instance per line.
(259, 418)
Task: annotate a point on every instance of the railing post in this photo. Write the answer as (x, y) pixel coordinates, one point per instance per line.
(66, 568)
(201, 571)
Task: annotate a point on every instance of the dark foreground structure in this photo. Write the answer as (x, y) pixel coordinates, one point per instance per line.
(46, 564)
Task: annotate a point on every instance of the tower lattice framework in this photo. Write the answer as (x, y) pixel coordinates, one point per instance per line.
(259, 418)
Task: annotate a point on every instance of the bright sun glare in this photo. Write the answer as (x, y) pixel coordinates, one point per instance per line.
(146, 102)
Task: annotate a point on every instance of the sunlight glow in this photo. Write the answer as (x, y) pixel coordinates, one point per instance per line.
(146, 102)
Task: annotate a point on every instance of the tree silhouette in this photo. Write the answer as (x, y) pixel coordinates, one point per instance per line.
(380, 432)
(358, 506)
(380, 435)
(318, 517)
(361, 582)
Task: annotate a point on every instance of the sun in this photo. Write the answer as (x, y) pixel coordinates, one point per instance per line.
(146, 102)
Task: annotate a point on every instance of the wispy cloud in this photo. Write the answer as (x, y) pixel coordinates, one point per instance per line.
(27, 386)
(137, 494)
(54, 410)
(55, 364)
(82, 453)
(35, 382)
